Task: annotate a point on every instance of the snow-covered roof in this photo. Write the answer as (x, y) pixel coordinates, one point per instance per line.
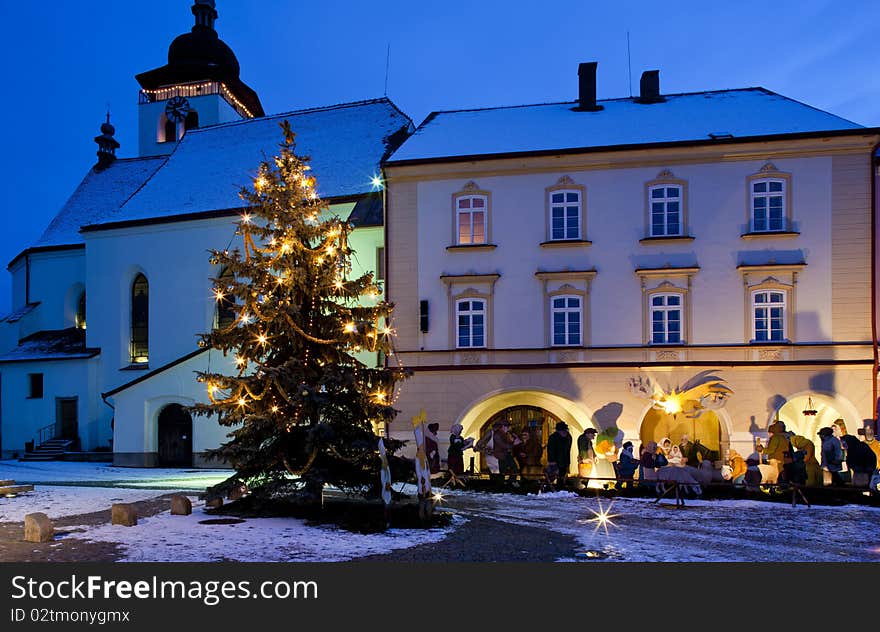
(98, 196)
(61, 344)
(209, 166)
(699, 116)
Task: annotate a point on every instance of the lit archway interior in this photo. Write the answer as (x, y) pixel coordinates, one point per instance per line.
(556, 406)
(707, 428)
(827, 410)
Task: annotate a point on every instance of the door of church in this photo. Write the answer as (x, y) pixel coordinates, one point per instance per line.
(175, 437)
(66, 420)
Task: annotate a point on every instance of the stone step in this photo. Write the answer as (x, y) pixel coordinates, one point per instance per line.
(39, 457)
(15, 489)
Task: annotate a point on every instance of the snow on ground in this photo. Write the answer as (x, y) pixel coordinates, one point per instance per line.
(105, 474)
(167, 538)
(722, 530)
(59, 501)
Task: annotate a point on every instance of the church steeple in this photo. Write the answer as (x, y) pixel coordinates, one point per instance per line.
(107, 145)
(199, 86)
(205, 13)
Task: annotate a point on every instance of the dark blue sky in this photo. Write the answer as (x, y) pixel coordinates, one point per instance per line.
(65, 60)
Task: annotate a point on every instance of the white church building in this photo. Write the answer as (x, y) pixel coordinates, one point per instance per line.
(99, 353)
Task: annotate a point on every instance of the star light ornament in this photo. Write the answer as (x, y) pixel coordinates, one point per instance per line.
(602, 518)
(702, 392)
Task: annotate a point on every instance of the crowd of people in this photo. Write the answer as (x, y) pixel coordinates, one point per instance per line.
(842, 459)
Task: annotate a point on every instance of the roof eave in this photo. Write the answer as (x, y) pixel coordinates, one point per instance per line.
(859, 131)
(34, 249)
(187, 217)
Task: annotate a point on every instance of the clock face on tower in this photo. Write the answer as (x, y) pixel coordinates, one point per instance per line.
(176, 109)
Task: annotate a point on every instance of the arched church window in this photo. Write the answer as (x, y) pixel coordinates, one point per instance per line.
(191, 121)
(140, 319)
(226, 301)
(80, 318)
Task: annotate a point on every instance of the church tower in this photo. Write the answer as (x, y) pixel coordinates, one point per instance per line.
(198, 86)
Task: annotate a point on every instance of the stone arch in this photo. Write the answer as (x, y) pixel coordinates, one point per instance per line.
(829, 406)
(653, 421)
(478, 412)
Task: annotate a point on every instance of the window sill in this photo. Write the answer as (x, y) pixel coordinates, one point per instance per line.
(566, 243)
(471, 247)
(666, 239)
(769, 343)
(136, 366)
(34, 397)
(770, 234)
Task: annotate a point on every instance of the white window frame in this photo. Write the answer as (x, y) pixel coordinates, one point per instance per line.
(768, 318)
(665, 200)
(470, 313)
(567, 310)
(766, 196)
(563, 208)
(469, 212)
(665, 309)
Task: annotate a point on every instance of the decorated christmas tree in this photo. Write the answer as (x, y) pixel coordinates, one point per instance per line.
(303, 410)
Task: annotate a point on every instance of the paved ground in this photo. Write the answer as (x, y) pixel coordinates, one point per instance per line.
(486, 540)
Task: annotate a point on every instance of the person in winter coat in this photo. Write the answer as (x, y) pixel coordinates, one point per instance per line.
(502, 449)
(457, 446)
(737, 467)
(871, 442)
(861, 460)
(753, 477)
(832, 455)
(559, 454)
(484, 446)
(811, 465)
(688, 451)
(586, 451)
(777, 446)
(626, 466)
(647, 465)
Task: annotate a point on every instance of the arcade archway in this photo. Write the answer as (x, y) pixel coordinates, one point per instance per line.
(707, 429)
(528, 405)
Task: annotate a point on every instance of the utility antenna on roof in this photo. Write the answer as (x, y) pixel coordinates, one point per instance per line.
(629, 66)
(387, 62)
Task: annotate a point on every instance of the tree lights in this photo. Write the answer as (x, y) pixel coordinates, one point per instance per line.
(302, 407)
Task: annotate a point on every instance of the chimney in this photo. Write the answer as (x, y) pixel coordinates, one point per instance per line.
(649, 87)
(587, 87)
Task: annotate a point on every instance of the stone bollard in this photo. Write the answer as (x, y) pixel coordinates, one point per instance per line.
(214, 503)
(181, 505)
(38, 528)
(124, 514)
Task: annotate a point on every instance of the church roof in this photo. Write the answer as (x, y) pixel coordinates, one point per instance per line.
(99, 195)
(59, 344)
(207, 168)
(699, 117)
